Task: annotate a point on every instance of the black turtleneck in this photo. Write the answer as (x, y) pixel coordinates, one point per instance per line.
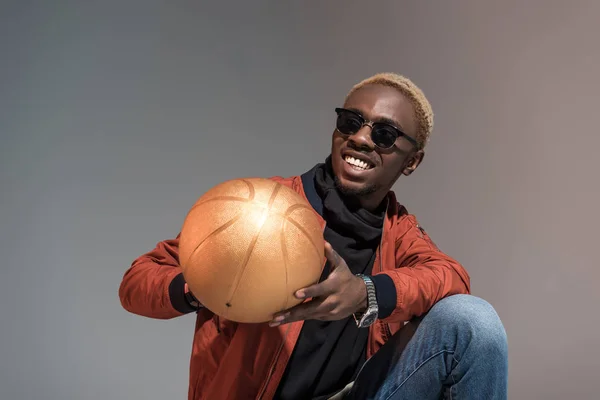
(329, 354)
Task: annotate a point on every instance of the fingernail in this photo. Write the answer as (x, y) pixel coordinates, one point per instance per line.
(300, 294)
(273, 324)
(279, 318)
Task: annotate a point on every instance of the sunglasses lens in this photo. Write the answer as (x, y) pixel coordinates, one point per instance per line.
(348, 123)
(384, 136)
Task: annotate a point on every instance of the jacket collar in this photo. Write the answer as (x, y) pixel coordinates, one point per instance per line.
(310, 191)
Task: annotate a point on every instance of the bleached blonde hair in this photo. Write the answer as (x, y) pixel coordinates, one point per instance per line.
(422, 108)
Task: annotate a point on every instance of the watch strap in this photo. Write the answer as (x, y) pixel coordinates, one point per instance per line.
(371, 299)
(190, 298)
(371, 296)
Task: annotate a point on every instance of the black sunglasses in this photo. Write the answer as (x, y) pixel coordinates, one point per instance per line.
(384, 135)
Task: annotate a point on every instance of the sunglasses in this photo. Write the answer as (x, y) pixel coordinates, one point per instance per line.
(383, 134)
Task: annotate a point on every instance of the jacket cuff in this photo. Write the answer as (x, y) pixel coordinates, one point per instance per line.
(177, 295)
(385, 290)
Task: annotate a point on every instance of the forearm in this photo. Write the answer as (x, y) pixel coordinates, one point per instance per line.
(422, 276)
(417, 289)
(145, 291)
(154, 285)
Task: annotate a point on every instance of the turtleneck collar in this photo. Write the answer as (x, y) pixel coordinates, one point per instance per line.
(344, 213)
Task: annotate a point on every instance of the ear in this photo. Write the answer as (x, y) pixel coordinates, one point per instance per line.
(413, 162)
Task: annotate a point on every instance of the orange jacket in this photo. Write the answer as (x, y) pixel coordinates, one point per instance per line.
(235, 361)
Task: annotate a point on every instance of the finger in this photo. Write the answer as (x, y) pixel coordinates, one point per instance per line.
(320, 289)
(313, 309)
(330, 253)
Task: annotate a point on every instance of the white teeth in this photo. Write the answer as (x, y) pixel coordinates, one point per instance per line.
(359, 164)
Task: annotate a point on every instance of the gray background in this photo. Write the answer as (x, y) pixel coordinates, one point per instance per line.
(116, 116)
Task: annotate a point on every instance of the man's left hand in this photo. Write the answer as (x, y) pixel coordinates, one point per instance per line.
(337, 297)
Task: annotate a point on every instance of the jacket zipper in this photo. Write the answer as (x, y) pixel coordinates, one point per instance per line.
(273, 364)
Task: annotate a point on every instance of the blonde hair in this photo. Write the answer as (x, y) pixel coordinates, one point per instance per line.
(423, 110)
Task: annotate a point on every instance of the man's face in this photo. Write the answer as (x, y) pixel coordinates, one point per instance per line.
(376, 103)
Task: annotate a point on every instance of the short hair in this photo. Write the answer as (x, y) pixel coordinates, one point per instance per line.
(422, 108)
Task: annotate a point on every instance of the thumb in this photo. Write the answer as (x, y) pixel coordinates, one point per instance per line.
(335, 261)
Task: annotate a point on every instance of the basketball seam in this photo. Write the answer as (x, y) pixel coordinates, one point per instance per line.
(287, 218)
(251, 191)
(248, 254)
(301, 228)
(251, 194)
(230, 198)
(213, 233)
(243, 200)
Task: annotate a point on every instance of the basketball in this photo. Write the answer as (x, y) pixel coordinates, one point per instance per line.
(247, 245)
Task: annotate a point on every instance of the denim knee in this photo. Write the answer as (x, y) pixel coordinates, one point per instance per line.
(474, 319)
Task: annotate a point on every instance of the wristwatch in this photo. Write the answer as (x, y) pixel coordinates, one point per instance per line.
(368, 317)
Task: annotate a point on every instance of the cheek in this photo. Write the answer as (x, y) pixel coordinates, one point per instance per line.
(394, 165)
(336, 136)
(337, 141)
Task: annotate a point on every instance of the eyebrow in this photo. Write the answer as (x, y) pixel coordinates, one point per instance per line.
(380, 119)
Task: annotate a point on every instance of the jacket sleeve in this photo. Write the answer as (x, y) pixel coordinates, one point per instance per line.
(423, 275)
(153, 286)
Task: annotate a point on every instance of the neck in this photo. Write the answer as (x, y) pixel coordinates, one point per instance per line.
(370, 200)
(371, 203)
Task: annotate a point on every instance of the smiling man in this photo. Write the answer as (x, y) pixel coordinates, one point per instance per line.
(391, 317)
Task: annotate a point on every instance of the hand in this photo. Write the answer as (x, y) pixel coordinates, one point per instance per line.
(337, 297)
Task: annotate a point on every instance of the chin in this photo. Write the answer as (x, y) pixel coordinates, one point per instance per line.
(354, 189)
(350, 187)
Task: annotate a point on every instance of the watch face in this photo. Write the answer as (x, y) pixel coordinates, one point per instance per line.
(369, 319)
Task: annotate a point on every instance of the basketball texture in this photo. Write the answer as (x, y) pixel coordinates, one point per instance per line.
(247, 245)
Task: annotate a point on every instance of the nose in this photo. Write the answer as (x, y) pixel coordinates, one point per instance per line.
(362, 139)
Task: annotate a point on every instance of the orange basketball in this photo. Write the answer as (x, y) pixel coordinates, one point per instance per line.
(247, 245)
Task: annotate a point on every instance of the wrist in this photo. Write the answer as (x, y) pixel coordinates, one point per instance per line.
(177, 295)
(189, 297)
(363, 303)
(367, 317)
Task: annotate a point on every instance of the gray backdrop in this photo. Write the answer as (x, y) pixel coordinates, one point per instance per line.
(116, 116)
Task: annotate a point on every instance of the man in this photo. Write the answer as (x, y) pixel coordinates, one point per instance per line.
(391, 317)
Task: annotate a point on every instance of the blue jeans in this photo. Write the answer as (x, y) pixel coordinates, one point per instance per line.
(456, 351)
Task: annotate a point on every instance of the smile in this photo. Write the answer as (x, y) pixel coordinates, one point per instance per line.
(357, 164)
